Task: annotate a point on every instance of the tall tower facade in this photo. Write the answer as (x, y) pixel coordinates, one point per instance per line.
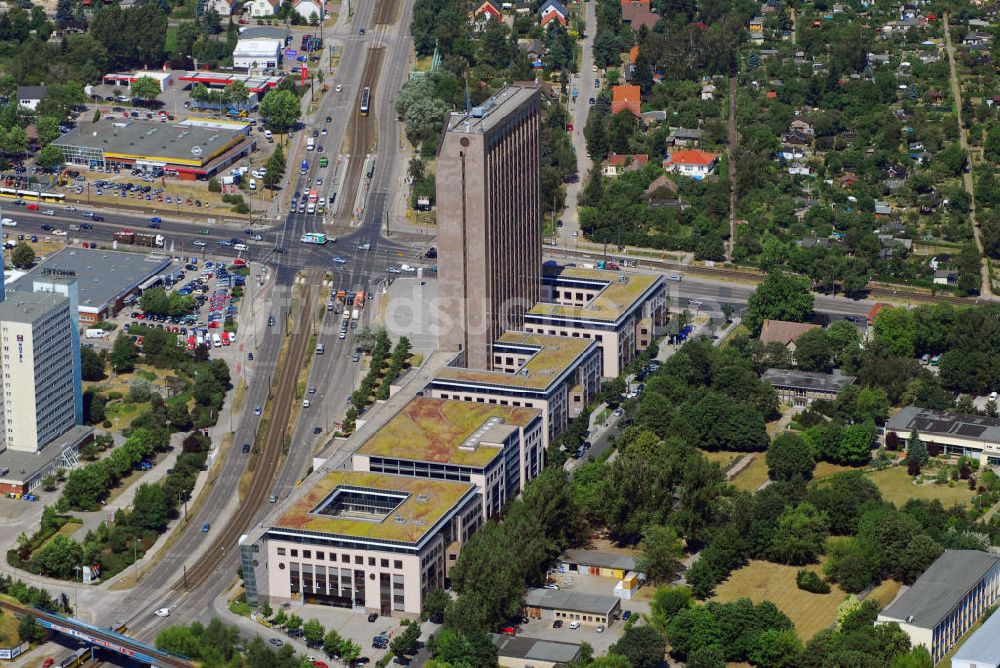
(489, 222)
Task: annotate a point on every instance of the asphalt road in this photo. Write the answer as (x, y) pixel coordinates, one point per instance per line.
(583, 84)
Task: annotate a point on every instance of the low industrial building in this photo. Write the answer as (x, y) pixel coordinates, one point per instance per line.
(947, 600)
(570, 606)
(982, 648)
(801, 388)
(193, 149)
(105, 279)
(596, 563)
(259, 48)
(555, 374)
(23, 472)
(522, 652)
(497, 448)
(624, 313)
(253, 83)
(361, 540)
(125, 79)
(974, 436)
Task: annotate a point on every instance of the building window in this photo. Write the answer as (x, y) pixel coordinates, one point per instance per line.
(281, 551)
(295, 553)
(397, 564)
(385, 563)
(307, 554)
(320, 555)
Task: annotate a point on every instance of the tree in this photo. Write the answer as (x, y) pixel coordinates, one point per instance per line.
(331, 642)
(668, 601)
(642, 645)
(780, 296)
(406, 643)
(916, 449)
(64, 13)
(294, 622)
(282, 109)
(660, 553)
(790, 458)
(123, 354)
(814, 351)
(777, 648)
(921, 552)
(897, 328)
(856, 444)
(274, 168)
(29, 630)
(145, 89)
(48, 129)
(59, 558)
(435, 603)
(313, 632)
(23, 256)
(50, 156)
(424, 119)
(918, 657)
(150, 508)
(800, 535)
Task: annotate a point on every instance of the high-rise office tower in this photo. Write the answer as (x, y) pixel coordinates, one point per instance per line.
(488, 217)
(39, 361)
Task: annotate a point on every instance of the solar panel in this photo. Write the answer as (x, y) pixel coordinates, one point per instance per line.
(972, 430)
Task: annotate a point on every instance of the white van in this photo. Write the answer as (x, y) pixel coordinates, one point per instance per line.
(310, 144)
(253, 184)
(216, 340)
(8, 222)
(239, 247)
(268, 136)
(320, 348)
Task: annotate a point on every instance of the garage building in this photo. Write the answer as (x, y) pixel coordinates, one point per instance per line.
(552, 604)
(521, 652)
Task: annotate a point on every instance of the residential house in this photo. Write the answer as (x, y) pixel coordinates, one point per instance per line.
(882, 209)
(222, 7)
(789, 153)
(552, 10)
(522, 7)
(948, 599)
(800, 125)
(945, 277)
(766, 54)
(686, 137)
(650, 117)
(708, 92)
(847, 179)
(488, 10)
(626, 97)
(694, 163)
(874, 311)
(784, 332)
(535, 48)
(662, 192)
(616, 165)
(756, 24)
(801, 388)
(799, 169)
(307, 9)
(29, 96)
(756, 37)
(638, 13)
(976, 39)
(796, 137)
(262, 8)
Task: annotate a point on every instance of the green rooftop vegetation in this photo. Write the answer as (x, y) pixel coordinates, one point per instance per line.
(609, 304)
(426, 502)
(433, 430)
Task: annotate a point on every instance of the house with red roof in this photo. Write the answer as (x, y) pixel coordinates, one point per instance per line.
(616, 165)
(874, 312)
(490, 9)
(626, 97)
(784, 332)
(552, 10)
(694, 163)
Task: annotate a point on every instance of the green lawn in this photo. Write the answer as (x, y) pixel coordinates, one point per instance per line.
(898, 487)
(751, 477)
(170, 43)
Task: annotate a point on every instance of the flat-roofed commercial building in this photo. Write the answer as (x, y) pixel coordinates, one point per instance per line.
(944, 602)
(489, 231)
(552, 604)
(982, 648)
(497, 448)
(193, 149)
(362, 540)
(801, 388)
(104, 278)
(521, 652)
(962, 435)
(555, 374)
(624, 313)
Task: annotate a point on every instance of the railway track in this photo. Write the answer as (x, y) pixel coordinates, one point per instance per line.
(387, 12)
(267, 469)
(363, 131)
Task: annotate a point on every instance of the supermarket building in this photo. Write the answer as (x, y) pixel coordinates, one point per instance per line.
(194, 149)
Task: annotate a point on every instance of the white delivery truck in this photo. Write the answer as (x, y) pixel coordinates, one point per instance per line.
(355, 314)
(96, 334)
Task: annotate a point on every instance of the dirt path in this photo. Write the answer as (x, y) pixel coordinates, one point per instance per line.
(963, 134)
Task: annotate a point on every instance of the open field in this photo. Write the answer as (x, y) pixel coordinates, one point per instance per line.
(762, 580)
(826, 469)
(750, 478)
(898, 487)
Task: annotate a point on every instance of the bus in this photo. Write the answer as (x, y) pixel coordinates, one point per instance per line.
(313, 238)
(366, 97)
